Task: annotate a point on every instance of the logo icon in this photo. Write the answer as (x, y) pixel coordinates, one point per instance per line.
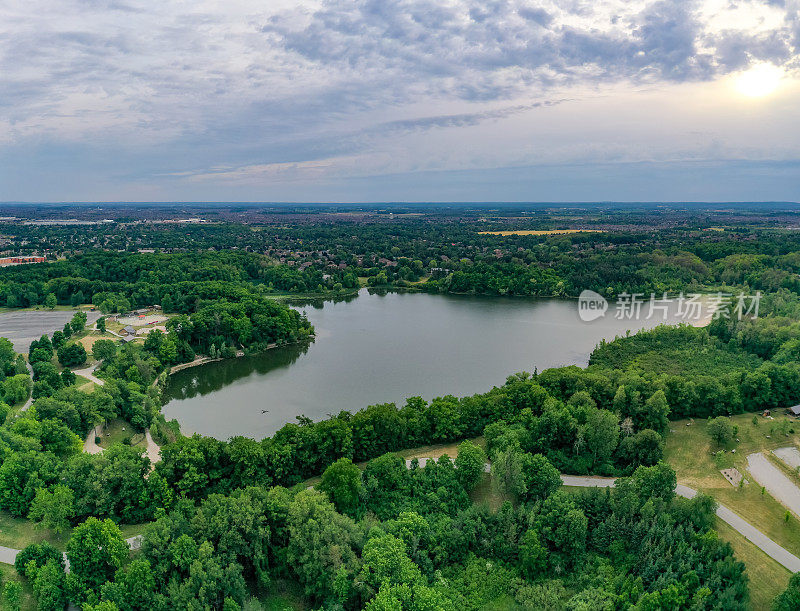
(591, 306)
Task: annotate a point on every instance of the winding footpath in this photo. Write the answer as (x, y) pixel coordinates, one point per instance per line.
(30, 399)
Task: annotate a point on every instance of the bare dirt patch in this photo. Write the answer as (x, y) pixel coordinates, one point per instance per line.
(146, 319)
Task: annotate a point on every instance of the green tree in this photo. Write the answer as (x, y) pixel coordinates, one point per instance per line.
(101, 324)
(508, 473)
(789, 599)
(53, 508)
(470, 462)
(72, 355)
(321, 544)
(104, 349)
(49, 587)
(342, 483)
(35, 556)
(133, 587)
(50, 301)
(385, 560)
(532, 555)
(541, 478)
(601, 434)
(656, 413)
(96, 550)
(721, 430)
(16, 388)
(78, 322)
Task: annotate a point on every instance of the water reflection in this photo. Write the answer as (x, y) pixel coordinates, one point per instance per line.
(204, 379)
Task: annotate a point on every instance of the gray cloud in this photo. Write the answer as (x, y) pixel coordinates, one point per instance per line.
(187, 87)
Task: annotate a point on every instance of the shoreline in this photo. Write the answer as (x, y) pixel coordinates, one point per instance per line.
(203, 360)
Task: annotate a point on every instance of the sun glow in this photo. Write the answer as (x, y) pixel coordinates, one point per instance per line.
(759, 81)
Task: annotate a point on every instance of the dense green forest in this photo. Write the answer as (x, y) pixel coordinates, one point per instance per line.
(329, 505)
(626, 251)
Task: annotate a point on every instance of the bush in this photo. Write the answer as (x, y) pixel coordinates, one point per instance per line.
(39, 553)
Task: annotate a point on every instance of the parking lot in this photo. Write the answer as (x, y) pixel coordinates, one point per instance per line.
(24, 326)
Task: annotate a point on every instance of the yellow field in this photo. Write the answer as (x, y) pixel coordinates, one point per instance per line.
(538, 231)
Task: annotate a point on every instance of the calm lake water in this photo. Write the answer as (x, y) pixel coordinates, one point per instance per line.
(382, 348)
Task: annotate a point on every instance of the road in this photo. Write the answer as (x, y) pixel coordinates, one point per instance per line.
(773, 479)
(744, 528)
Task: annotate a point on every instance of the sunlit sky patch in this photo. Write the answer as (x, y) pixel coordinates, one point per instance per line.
(363, 100)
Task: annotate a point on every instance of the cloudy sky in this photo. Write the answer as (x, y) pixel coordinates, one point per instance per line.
(399, 100)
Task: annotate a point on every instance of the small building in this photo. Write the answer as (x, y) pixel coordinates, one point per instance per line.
(129, 330)
(795, 410)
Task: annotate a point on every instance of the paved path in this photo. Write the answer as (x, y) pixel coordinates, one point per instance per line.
(744, 528)
(89, 444)
(773, 479)
(30, 399)
(88, 373)
(153, 450)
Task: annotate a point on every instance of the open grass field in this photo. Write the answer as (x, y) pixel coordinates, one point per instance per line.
(692, 454)
(679, 361)
(674, 351)
(538, 231)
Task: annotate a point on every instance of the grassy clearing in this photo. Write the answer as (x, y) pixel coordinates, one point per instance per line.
(767, 577)
(116, 431)
(88, 340)
(438, 450)
(8, 573)
(690, 452)
(282, 596)
(18, 532)
(538, 231)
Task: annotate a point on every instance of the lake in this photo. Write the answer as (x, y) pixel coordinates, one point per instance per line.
(378, 348)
